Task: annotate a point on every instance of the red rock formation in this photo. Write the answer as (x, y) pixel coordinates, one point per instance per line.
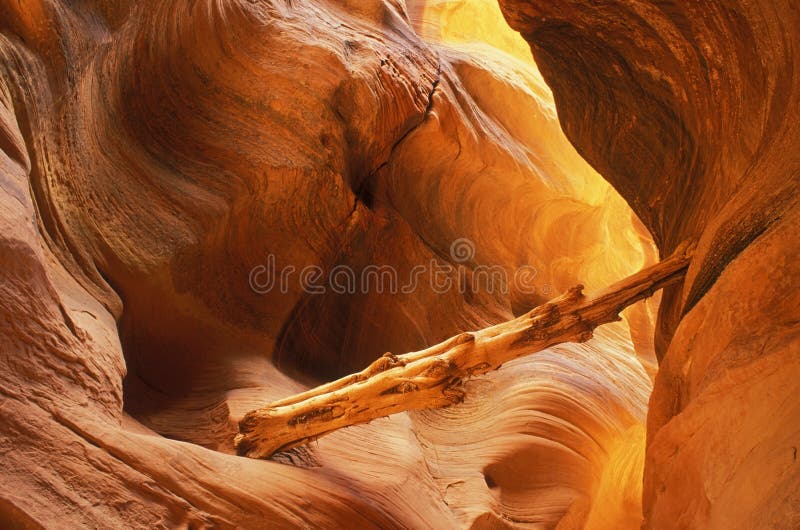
(154, 154)
(689, 110)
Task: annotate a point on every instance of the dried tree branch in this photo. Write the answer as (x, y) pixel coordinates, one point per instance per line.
(432, 378)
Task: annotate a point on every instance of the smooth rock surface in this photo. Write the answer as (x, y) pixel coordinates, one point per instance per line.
(689, 110)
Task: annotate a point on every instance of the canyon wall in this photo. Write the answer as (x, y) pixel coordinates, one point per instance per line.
(690, 110)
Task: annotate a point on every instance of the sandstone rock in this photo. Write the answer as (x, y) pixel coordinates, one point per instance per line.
(688, 110)
(153, 154)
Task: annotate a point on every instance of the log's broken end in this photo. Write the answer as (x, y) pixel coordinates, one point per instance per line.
(243, 447)
(245, 442)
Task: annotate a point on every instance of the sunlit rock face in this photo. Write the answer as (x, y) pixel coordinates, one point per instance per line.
(153, 155)
(689, 109)
(584, 228)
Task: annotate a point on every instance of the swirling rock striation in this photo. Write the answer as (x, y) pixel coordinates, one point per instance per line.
(688, 109)
(153, 154)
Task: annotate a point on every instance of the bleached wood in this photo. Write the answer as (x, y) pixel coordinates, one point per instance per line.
(433, 378)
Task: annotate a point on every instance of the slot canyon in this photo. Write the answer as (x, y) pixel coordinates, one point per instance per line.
(232, 230)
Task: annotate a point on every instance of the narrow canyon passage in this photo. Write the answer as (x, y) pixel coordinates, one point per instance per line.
(208, 206)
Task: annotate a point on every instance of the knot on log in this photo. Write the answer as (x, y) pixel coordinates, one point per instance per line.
(464, 338)
(440, 369)
(321, 414)
(480, 368)
(386, 362)
(403, 388)
(573, 294)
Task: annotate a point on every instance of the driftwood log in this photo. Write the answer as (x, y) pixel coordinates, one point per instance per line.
(433, 378)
